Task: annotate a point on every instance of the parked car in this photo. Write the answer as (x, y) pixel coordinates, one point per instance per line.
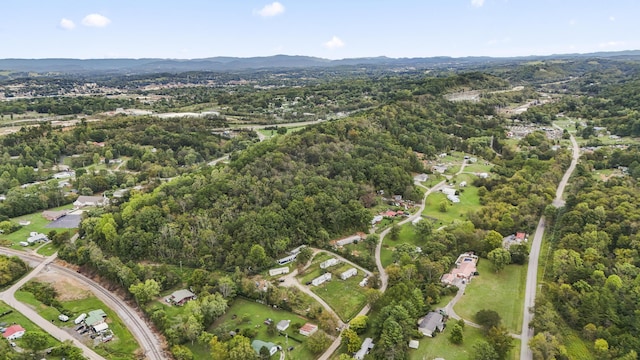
(290, 348)
(81, 327)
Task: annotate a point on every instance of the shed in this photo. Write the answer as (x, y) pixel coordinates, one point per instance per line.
(308, 329)
(413, 344)
(100, 327)
(283, 325)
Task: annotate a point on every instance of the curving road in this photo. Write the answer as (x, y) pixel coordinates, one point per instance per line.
(534, 254)
(146, 338)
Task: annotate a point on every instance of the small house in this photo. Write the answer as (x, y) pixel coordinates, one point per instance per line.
(14, 332)
(279, 271)
(376, 219)
(413, 344)
(463, 183)
(283, 325)
(100, 327)
(297, 250)
(421, 178)
(308, 329)
(321, 279)
(181, 297)
(63, 318)
(364, 282)
(259, 344)
(448, 191)
(483, 175)
(348, 240)
(329, 263)
(349, 273)
(53, 215)
(365, 348)
(432, 323)
(35, 237)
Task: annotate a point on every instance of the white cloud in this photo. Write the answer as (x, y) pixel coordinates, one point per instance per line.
(67, 24)
(95, 20)
(612, 18)
(269, 10)
(611, 44)
(334, 43)
(477, 3)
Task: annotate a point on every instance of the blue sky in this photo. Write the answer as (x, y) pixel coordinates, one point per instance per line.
(325, 28)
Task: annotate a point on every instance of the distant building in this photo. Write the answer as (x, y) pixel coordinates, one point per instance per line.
(376, 219)
(279, 271)
(308, 329)
(95, 317)
(483, 175)
(329, 263)
(297, 250)
(90, 201)
(364, 282)
(421, 178)
(365, 348)
(464, 270)
(181, 297)
(36, 237)
(432, 323)
(321, 279)
(348, 240)
(53, 215)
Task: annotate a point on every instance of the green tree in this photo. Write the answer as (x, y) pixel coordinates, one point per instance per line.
(456, 335)
(443, 206)
(240, 349)
(488, 318)
(227, 287)
(500, 340)
(257, 257)
(492, 240)
(145, 291)
(318, 341)
(304, 256)
(499, 258)
(219, 349)
(351, 339)
(545, 346)
(601, 347)
(424, 229)
(394, 232)
(484, 351)
(359, 323)
(35, 340)
(180, 352)
(264, 353)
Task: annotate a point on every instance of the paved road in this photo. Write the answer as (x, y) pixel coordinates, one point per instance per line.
(534, 254)
(146, 338)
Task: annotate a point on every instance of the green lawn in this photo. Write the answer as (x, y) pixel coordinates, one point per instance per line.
(407, 236)
(439, 346)
(256, 314)
(334, 293)
(48, 249)
(502, 292)
(38, 224)
(478, 167)
(122, 347)
(469, 202)
(16, 317)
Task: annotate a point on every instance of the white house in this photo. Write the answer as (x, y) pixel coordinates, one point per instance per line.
(90, 201)
(483, 175)
(80, 318)
(259, 344)
(297, 250)
(463, 183)
(283, 325)
(328, 263)
(376, 219)
(348, 240)
(367, 345)
(453, 198)
(349, 273)
(288, 259)
(279, 271)
(448, 191)
(35, 237)
(14, 332)
(364, 282)
(321, 279)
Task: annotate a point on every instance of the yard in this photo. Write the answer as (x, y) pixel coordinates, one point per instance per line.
(38, 224)
(334, 293)
(244, 314)
(502, 292)
(441, 347)
(469, 203)
(122, 347)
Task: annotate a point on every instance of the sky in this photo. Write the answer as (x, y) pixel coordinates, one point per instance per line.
(333, 29)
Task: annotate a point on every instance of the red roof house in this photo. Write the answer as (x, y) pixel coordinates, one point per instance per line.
(14, 332)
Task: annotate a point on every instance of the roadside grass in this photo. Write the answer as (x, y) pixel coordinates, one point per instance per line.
(502, 292)
(441, 347)
(334, 293)
(16, 317)
(122, 347)
(251, 315)
(48, 249)
(38, 224)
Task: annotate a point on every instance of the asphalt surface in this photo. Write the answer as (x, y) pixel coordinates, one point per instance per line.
(534, 255)
(69, 221)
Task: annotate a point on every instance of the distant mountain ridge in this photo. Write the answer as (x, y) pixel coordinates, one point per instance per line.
(224, 63)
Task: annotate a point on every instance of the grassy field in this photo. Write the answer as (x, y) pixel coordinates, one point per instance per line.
(252, 315)
(38, 224)
(122, 347)
(48, 249)
(478, 167)
(440, 347)
(407, 236)
(333, 292)
(16, 317)
(502, 292)
(469, 202)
